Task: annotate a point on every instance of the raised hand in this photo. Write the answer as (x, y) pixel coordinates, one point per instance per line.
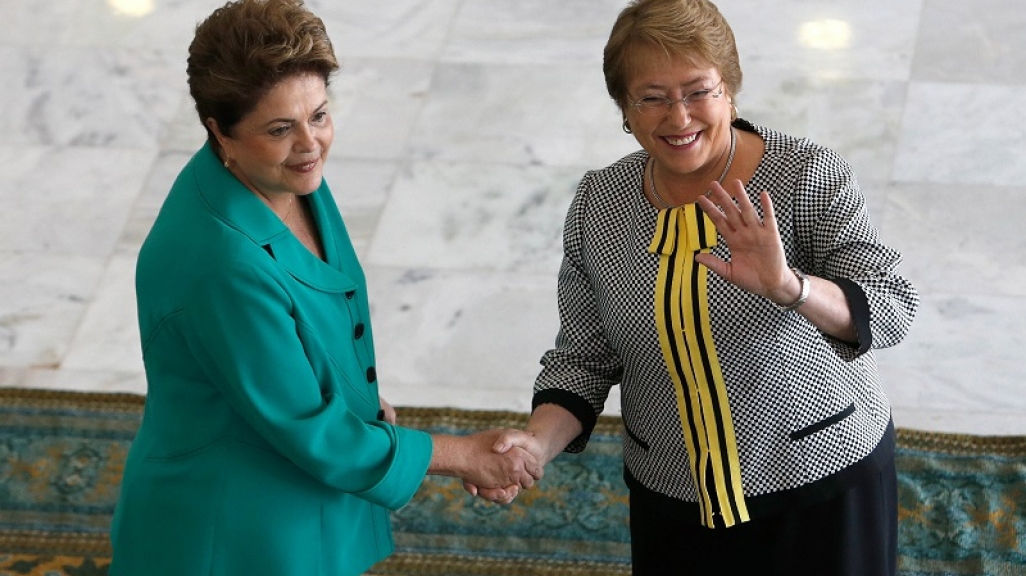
(757, 260)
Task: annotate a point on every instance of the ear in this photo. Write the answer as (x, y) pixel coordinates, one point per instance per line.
(221, 138)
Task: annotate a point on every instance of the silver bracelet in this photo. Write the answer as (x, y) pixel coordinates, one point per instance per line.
(805, 291)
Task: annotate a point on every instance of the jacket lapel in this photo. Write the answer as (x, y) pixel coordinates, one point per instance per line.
(239, 208)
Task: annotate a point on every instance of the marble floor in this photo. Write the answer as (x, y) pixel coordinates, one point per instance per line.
(462, 129)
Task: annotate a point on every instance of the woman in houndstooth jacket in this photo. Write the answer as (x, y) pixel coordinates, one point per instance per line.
(729, 279)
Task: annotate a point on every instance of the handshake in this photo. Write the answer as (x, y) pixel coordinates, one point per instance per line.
(495, 465)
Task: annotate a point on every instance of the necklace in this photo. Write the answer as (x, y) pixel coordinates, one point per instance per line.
(289, 211)
(730, 160)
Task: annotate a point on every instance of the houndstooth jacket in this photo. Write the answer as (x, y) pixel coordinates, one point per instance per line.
(804, 407)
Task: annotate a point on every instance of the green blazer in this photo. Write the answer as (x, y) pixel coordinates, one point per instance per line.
(260, 452)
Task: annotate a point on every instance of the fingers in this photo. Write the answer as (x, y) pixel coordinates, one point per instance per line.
(524, 467)
(770, 218)
(387, 412)
(510, 438)
(500, 495)
(729, 206)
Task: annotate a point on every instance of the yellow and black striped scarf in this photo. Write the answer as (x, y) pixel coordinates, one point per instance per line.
(685, 334)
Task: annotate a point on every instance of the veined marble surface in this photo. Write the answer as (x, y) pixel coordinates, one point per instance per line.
(462, 128)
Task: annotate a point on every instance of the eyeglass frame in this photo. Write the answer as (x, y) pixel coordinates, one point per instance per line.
(669, 102)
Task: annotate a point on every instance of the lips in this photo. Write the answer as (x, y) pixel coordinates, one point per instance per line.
(681, 140)
(303, 167)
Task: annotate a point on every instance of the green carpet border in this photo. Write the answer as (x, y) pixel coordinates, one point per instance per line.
(400, 564)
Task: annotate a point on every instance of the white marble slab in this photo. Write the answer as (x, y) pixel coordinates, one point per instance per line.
(147, 203)
(477, 217)
(135, 23)
(465, 339)
(963, 133)
(978, 42)
(963, 355)
(960, 239)
(860, 119)
(184, 132)
(869, 39)
(524, 114)
(408, 29)
(86, 96)
(71, 200)
(375, 104)
(43, 297)
(532, 31)
(74, 380)
(108, 337)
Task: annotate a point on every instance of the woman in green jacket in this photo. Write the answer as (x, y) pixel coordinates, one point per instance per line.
(265, 448)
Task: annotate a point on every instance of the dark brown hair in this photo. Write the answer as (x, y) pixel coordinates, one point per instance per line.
(691, 29)
(245, 48)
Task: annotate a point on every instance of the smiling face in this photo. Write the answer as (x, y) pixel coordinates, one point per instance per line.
(688, 143)
(280, 147)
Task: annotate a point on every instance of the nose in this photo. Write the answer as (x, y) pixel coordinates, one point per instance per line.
(306, 140)
(679, 112)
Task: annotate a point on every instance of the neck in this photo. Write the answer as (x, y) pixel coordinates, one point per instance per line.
(284, 208)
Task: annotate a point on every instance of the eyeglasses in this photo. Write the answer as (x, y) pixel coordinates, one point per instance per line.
(652, 105)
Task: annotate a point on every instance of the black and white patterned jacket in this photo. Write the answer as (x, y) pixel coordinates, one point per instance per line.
(807, 410)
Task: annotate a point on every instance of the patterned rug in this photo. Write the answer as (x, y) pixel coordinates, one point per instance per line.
(962, 499)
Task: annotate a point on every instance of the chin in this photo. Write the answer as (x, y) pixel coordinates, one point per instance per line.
(308, 187)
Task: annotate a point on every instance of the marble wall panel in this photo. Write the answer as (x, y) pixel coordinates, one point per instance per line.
(108, 337)
(963, 354)
(407, 29)
(68, 199)
(375, 104)
(980, 42)
(147, 203)
(126, 23)
(869, 39)
(555, 115)
(43, 297)
(859, 119)
(532, 31)
(473, 216)
(962, 239)
(465, 339)
(62, 95)
(964, 134)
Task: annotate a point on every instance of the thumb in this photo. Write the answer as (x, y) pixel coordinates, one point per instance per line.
(719, 267)
(502, 445)
(511, 439)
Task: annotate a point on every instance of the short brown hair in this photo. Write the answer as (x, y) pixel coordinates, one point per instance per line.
(246, 47)
(692, 29)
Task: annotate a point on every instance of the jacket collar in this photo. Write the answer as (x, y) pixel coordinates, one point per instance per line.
(238, 207)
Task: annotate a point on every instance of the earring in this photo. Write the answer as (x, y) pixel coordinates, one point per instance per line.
(626, 126)
(227, 159)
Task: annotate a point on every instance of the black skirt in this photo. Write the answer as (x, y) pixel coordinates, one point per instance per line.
(853, 533)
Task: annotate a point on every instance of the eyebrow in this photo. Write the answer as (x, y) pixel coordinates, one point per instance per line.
(689, 85)
(291, 120)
